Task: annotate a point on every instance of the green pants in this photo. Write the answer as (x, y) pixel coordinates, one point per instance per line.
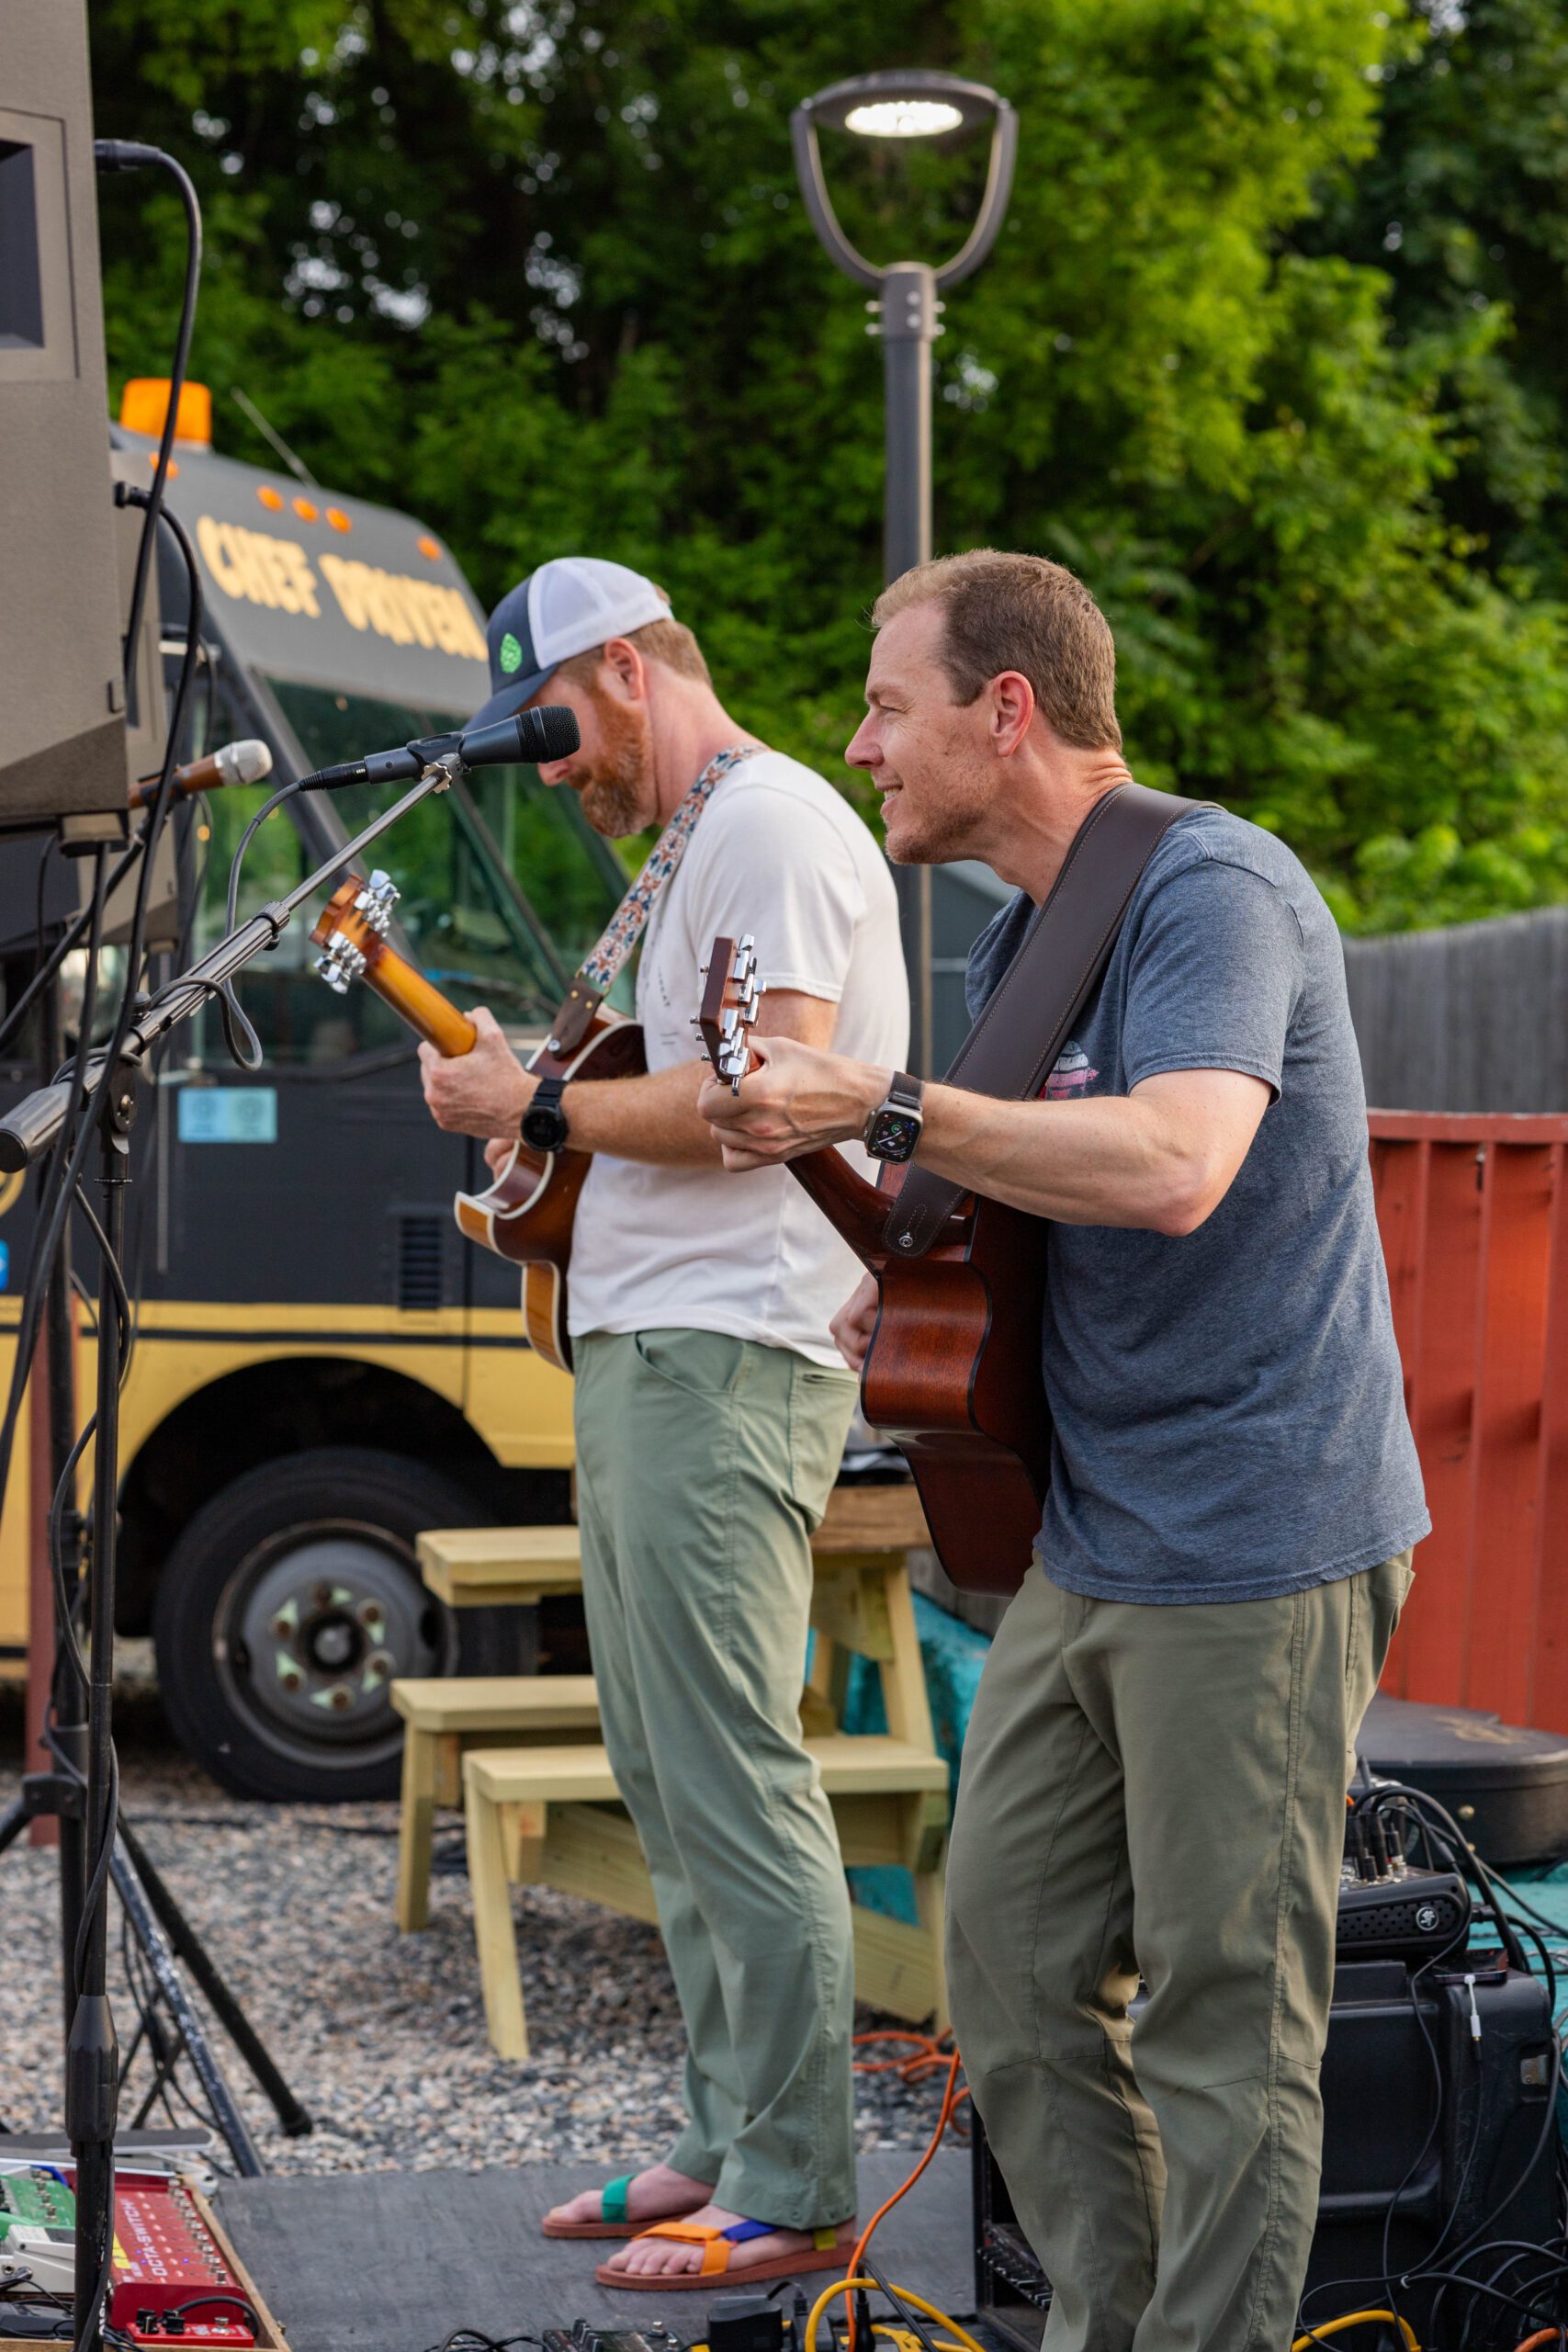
(703, 1462)
(1160, 1790)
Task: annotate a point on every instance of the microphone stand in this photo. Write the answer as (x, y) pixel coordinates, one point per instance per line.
(26, 1132)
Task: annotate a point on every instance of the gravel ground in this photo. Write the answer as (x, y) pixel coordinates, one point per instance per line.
(380, 2035)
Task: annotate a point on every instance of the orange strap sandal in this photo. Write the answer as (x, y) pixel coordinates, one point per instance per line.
(826, 2253)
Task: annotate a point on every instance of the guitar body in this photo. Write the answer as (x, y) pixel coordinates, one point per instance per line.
(528, 1213)
(954, 1372)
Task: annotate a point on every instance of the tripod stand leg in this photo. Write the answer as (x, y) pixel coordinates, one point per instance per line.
(13, 1821)
(193, 1952)
(160, 1960)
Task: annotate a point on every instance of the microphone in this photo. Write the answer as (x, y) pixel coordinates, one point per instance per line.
(244, 762)
(531, 736)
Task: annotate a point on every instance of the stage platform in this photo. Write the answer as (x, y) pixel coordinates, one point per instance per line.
(394, 2261)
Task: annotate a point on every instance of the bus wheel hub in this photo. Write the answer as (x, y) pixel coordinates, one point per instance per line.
(320, 1628)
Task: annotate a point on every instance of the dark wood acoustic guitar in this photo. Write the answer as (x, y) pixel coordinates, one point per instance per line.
(954, 1370)
(528, 1213)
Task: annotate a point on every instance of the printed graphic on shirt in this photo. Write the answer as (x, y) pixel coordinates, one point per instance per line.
(1072, 1074)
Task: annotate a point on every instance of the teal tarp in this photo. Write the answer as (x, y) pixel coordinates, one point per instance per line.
(953, 1654)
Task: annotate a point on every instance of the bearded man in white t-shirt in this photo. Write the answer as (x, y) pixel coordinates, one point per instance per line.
(711, 1409)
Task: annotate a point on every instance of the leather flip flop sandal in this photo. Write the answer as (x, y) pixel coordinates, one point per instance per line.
(827, 2253)
(612, 2220)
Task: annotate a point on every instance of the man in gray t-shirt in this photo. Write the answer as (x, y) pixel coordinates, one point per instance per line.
(1154, 1778)
(1228, 1413)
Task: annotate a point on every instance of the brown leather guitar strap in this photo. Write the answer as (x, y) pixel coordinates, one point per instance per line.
(1013, 1046)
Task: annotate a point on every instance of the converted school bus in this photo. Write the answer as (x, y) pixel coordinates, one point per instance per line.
(321, 1366)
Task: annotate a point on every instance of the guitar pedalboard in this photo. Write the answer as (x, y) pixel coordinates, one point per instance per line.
(170, 2276)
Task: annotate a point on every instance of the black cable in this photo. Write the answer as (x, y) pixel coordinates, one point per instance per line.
(69, 939)
(1414, 1983)
(1463, 1857)
(205, 2302)
(129, 155)
(239, 1035)
(86, 2322)
(51, 1223)
(464, 2336)
(1548, 2125)
(98, 1880)
(112, 1267)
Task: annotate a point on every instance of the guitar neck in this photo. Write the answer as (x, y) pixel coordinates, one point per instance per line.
(430, 1014)
(855, 1209)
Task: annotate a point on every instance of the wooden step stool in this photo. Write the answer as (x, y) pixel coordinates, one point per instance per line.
(547, 1816)
(444, 1715)
(860, 1604)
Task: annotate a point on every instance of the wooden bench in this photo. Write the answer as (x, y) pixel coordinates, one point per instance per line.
(861, 1605)
(442, 1715)
(547, 1816)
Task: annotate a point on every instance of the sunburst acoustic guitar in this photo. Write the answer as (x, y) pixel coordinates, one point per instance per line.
(527, 1214)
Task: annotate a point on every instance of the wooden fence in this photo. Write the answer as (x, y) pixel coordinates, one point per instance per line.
(1467, 1019)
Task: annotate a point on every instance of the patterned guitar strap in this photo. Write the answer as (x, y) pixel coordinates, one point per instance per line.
(597, 973)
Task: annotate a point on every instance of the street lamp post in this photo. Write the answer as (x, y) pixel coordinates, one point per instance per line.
(906, 311)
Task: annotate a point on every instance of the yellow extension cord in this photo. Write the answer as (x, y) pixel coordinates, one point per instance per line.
(847, 2287)
(1354, 2319)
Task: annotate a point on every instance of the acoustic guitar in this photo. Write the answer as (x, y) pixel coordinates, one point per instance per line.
(527, 1214)
(954, 1373)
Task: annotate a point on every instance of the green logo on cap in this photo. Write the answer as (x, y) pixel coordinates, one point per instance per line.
(511, 654)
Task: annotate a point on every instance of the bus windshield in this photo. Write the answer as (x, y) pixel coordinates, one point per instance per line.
(503, 885)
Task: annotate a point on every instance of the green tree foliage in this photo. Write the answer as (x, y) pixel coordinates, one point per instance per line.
(538, 269)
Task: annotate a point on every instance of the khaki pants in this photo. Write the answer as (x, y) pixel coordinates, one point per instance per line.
(703, 1465)
(1160, 1790)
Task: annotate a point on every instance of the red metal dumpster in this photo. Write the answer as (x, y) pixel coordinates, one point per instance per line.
(1473, 1214)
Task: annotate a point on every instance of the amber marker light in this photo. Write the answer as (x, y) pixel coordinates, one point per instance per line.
(307, 510)
(144, 406)
(431, 547)
(270, 498)
(338, 519)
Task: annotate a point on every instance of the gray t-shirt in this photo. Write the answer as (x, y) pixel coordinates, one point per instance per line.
(1229, 1409)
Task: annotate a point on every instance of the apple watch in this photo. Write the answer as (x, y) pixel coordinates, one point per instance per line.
(894, 1127)
(544, 1122)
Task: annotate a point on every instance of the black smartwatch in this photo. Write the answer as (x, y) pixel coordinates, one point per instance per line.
(894, 1127)
(544, 1122)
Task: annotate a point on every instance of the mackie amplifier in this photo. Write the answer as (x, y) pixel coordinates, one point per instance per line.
(1489, 2165)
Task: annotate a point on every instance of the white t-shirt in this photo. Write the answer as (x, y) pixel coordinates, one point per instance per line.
(779, 854)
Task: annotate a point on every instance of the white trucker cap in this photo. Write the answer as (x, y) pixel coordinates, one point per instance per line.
(568, 607)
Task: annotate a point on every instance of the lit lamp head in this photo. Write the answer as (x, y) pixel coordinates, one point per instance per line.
(904, 105)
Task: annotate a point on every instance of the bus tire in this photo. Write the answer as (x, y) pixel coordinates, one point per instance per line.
(287, 1605)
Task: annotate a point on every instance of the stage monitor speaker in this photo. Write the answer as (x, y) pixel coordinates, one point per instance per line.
(62, 726)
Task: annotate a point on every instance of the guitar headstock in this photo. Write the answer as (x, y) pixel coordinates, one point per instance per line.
(732, 996)
(352, 928)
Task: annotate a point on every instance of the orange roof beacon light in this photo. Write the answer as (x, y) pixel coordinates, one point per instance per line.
(338, 519)
(270, 498)
(144, 404)
(306, 508)
(431, 547)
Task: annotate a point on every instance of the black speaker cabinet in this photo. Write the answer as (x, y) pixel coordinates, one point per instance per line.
(1488, 2166)
(63, 735)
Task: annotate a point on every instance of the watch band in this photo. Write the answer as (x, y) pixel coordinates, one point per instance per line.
(546, 1100)
(893, 1129)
